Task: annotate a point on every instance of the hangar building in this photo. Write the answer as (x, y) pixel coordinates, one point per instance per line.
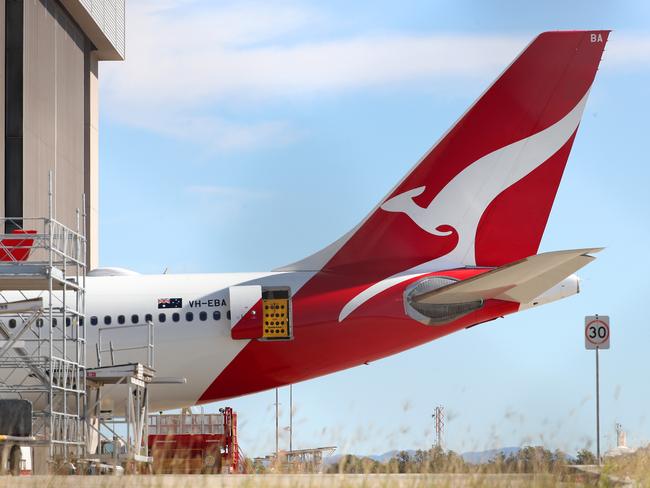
(51, 50)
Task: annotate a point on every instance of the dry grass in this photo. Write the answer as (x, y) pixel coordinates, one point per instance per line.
(634, 466)
(294, 481)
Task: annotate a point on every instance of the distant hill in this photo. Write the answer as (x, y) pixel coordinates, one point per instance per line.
(481, 457)
(472, 457)
(382, 458)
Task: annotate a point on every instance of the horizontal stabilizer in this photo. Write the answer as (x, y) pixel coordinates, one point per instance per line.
(521, 281)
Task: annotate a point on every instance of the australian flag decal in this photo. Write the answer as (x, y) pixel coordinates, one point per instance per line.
(170, 303)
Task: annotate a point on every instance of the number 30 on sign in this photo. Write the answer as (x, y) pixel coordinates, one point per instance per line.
(597, 332)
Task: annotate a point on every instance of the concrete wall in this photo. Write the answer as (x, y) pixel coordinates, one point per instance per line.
(91, 166)
(2, 106)
(54, 111)
(63, 41)
(109, 16)
(103, 23)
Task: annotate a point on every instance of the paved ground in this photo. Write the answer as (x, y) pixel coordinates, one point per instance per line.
(284, 481)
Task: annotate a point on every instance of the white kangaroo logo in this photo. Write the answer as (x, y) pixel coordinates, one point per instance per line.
(422, 216)
(462, 202)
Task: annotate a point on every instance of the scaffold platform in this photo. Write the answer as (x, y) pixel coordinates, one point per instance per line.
(42, 336)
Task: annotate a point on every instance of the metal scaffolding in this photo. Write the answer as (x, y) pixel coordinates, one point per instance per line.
(42, 337)
(127, 446)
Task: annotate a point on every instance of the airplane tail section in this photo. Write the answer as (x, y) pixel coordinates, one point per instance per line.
(482, 195)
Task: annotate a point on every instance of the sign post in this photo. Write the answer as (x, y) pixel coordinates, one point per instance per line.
(597, 337)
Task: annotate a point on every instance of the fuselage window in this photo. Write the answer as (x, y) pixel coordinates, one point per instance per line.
(12, 323)
(39, 323)
(216, 315)
(120, 319)
(176, 317)
(203, 316)
(67, 321)
(54, 322)
(228, 314)
(107, 319)
(148, 318)
(81, 321)
(93, 320)
(162, 317)
(135, 319)
(189, 316)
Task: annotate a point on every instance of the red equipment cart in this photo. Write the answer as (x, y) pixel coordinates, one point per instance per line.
(194, 443)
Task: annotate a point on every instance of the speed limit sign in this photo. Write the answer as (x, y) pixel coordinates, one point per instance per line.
(597, 332)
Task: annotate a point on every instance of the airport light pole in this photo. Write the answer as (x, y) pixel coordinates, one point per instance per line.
(277, 427)
(290, 418)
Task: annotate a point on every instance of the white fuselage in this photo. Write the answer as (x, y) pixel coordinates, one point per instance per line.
(193, 344)
(197, 346)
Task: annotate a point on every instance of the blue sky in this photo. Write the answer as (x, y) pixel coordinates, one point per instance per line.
(226, 113)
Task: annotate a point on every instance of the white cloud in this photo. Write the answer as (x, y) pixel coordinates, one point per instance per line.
(194, 125)
(629, 50)
(228, 192)
(186, 65)
(229, 200)
(194, 58)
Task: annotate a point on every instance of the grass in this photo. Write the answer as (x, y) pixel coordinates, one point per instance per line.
(295, 481)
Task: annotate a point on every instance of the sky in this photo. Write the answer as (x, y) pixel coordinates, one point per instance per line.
(227, 113)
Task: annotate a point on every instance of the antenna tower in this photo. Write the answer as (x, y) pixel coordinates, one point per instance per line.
(439, 424)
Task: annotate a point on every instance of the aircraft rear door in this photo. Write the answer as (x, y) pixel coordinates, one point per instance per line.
(246, 312)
